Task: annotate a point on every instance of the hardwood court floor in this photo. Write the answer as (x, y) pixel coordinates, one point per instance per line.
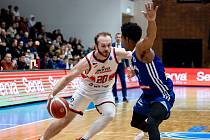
(191, 108)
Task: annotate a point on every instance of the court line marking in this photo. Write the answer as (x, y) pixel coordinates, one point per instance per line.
(8, 124)
(34, 122)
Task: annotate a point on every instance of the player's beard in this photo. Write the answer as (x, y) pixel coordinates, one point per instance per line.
(104, 53)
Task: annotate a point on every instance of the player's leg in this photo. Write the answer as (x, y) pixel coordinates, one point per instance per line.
(108, 113)
(78, 102)
(105, 105)
(157, 114)
(57, 126)
(139, 117)
(138, 121)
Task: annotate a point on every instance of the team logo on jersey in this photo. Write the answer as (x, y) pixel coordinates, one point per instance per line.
(103, 70)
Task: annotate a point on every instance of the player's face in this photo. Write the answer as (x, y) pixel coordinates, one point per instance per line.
(127, 44)
(104, 45)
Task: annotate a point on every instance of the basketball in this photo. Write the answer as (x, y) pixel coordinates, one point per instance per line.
(57, 107)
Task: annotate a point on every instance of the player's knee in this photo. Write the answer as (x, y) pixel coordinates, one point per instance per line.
(151, 123)
(134, 124)
(142, 126)
(67, 119)
(109, 115)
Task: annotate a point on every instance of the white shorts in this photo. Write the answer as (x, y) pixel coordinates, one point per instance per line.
(80, 99)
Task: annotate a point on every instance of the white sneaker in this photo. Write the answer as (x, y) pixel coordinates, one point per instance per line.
(139, 136)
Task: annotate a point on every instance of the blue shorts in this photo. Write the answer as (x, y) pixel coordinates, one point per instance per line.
(143, 104)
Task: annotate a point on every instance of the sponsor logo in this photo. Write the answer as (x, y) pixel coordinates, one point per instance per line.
(98, 86)
(103, 70)
(33, 86)
(201, 76)
(177, 76)
(8, 88)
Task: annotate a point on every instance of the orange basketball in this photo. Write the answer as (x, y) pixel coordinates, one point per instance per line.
(57, 107)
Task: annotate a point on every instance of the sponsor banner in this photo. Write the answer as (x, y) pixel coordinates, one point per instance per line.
(30, 86)
(189, 76)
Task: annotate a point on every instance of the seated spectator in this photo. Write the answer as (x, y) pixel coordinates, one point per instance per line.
(31, 21)
(7, 63)
(21, 63)
(52, 63)
(16, 12)
(45, 62)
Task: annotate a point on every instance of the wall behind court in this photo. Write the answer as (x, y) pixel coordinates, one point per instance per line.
(183, 21)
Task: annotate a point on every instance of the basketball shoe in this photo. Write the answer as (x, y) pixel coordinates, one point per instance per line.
(80, 138)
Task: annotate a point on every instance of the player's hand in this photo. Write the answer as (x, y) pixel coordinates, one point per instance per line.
(50, 97)
(151, 10)
(131, 72)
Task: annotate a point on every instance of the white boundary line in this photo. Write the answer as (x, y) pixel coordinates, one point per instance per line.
(32, 122)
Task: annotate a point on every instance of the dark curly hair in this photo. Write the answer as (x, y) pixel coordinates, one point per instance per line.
(131, 30)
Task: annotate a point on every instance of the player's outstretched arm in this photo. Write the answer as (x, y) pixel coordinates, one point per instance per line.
(143, 47)
(81, 66)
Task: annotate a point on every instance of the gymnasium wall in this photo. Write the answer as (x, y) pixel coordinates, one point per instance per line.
(183, 21)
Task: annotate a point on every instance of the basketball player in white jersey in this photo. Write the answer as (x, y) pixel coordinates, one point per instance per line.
(97, 72)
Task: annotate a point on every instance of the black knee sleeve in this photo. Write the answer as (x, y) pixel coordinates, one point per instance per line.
(142, 126)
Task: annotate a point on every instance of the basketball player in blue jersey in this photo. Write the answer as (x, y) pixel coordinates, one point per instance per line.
(158, 97)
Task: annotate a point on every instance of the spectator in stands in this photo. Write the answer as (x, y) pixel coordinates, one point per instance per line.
(16, 12)
(10, 10)
(12, 30)
(61, 64)
(45, 64)
(43, 46)
(11, 48)
(53, 62)
(3, 25)
(4, 42)
(24, 38)
(23, 25)
(28, 57)
(18, 50)
(32, 46)
(68, 51)
(7, 63)
(2, 48)
(58, 41)
(21, 63)
(31, 21)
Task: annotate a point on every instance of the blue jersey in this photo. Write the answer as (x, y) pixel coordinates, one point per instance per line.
(152, 75)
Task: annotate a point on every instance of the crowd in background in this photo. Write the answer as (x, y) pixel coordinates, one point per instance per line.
(24, 44)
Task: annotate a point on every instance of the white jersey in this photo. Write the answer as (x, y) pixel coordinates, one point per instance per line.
(101, 75)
